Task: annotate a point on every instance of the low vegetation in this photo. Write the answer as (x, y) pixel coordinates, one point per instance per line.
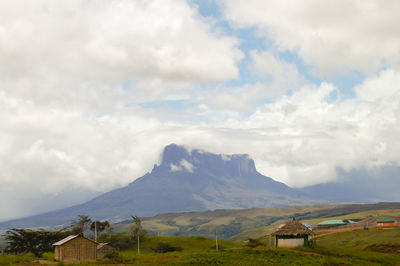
(362, 247)
(34, 241)
(357, 247)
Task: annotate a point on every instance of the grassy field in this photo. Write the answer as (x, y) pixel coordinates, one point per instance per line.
(241, 224)
(228, 222)
(266, 230)
(363, 247)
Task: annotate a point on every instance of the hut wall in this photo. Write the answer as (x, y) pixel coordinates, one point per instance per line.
(291, 242)
(78, 249)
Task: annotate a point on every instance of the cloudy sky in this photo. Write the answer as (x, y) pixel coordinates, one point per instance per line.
(91, 91)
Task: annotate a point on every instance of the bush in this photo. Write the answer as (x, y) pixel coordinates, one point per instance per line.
(36, 241)
(255, 242)
(219, 247)
(165, 247)
(112, 255)
(120, 241)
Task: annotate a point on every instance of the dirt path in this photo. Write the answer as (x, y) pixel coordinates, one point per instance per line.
(334, 231)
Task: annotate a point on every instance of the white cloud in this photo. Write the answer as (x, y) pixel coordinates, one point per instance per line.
(335, 37)
(84, 51)
(187, 166)
(300, 139)
(284, 76)
(274, 77)
(183, 166)
(72, 74)
(174, 168)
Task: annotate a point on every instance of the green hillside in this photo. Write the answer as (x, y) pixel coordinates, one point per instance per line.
(241, 224)
(362, 216)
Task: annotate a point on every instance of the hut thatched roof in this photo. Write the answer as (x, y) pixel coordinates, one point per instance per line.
(293, 228)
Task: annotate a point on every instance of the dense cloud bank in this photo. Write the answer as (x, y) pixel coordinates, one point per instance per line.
(91, 92)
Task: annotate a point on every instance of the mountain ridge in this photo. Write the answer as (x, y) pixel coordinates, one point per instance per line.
(185, 180)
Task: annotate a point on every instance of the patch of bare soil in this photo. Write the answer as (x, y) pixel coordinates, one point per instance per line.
(325, 232)
(384, 248)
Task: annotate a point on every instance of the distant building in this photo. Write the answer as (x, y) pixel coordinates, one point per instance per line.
(334, 223)
(292, 234)
(103, 249)
(330, 224)
(75, 248)
(307, 225)
(385, 222)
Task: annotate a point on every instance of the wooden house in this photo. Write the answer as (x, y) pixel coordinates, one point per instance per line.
(292, 234)
(75, 248)
(385, 222)
(103, 249)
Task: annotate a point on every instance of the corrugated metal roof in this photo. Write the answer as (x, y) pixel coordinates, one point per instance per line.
(307, 225)
(69, 238)
(101, 245)
(65, 240)
(332, 222)
(385, 219)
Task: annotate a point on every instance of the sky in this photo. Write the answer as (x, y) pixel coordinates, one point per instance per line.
(92, 91)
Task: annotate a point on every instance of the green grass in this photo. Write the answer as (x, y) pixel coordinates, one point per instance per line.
(361, 238)
(347, 248)
(356, 215)
(355, 245)
(25, 259)
(265, 230)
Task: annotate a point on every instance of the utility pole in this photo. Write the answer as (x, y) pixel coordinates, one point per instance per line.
(216, 240)
(95, 231)
(138, 234)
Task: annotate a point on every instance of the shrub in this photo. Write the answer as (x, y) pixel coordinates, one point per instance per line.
(165, 247)
(255, 242)
(112, 255)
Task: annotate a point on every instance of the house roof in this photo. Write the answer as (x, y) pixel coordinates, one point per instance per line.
(385, 219)
(100, 245)
(307, 225)
(332, 222)
(293, 228)
(69, 238)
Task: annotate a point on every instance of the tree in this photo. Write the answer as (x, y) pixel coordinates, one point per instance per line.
(37, 242)
(137, 231)
(81, 225)
(98, 227)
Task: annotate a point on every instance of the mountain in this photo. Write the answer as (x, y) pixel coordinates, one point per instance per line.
(186, 180)
(360, 185)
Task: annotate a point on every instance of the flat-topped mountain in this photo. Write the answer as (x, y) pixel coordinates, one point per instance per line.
(186, 180)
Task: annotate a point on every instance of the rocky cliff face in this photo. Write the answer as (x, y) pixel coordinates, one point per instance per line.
(185, 180)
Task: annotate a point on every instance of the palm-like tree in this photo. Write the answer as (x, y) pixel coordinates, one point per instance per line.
(137, 229)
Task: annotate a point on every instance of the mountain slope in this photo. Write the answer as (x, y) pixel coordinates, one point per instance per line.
(360, 185)
(186, 180)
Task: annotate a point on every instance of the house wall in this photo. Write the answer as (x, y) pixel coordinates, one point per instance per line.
(385, 224)
(57, 253)
(78, 249)
(104, 250)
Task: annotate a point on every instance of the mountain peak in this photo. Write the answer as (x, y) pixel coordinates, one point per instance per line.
(187, 180)
(174, 154)
(177, 158)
